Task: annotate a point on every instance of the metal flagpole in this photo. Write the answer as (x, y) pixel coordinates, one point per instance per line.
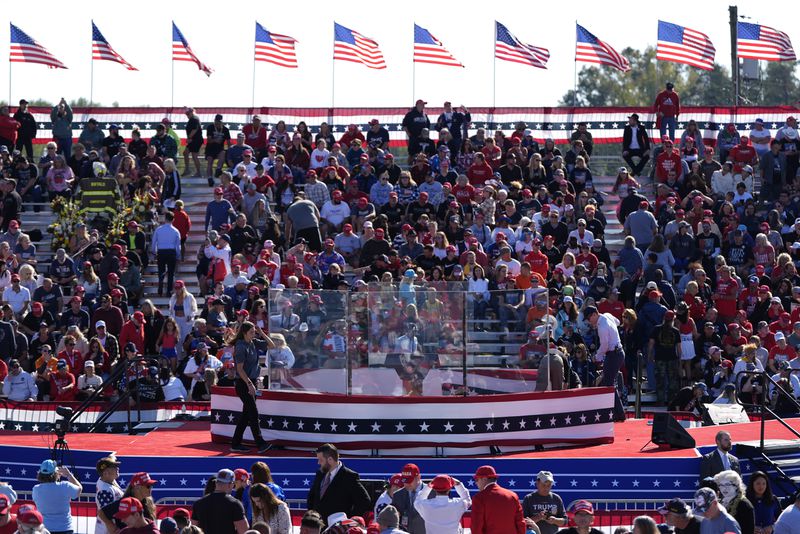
(172, 90)
(494, 68)
(91, 83)
(413, 79)
(575, 73)
(253, 94)
(9, 83)
(333, 71)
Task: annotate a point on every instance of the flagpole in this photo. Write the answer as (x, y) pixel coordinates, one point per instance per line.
(494, 68)
(91, 83)
(333, 74)
(253, 95)
(9, 83)
(413, 79)
(575, 73)
(172, 90)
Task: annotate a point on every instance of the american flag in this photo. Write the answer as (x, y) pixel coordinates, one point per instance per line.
(755, 41)
(275, 48)
(428, 49)
(590, 49)
(349, 45)
(101, 50)
(509, 48)
(25, 50)
(684, 45)
(181, 51)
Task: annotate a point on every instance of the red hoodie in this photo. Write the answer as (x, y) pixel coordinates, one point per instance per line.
(668, 103)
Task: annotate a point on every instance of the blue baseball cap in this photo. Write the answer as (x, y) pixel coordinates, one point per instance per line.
(48, 467)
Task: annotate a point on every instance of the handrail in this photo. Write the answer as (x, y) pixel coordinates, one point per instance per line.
(114, 377)
(763, 407)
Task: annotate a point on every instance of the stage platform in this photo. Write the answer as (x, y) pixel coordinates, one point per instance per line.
(182, 458)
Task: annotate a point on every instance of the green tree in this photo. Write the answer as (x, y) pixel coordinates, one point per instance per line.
(780, 86)
(604, 86)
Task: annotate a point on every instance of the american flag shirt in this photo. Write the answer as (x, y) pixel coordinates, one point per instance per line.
(105, 494)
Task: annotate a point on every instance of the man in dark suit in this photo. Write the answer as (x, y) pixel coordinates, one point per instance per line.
(403, 500)
(495, 509)
(336, 488)
(719, 459)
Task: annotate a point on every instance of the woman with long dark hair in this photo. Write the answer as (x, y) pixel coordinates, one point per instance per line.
(766, 507)
(245, 355)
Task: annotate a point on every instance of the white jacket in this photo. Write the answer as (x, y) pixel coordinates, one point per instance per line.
(20, 387)
(722, 183)
(442, 514)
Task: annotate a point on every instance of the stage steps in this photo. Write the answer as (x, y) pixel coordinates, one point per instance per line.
(779, 458)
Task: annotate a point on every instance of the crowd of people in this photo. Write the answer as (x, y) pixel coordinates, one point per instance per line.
(250, 502)
(329, 249)
(320, 252)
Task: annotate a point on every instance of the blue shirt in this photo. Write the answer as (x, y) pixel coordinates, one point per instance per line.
(166, 237)
(52, 500)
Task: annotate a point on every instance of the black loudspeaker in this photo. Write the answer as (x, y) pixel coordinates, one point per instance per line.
(668, 431)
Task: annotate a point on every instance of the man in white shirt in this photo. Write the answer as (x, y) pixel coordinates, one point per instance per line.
(511, 264)
(610, 349)
(334, 212)
(17, 296)
(760, 137)
(442, 514)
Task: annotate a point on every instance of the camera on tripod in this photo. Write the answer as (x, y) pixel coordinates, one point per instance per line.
(61, 426)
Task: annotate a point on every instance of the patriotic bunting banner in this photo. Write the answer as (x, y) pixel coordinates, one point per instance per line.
(605, 124)
(366, 422)
(40, 416)
(684, 45)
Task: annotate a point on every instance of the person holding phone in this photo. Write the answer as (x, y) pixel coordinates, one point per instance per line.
(543, 508)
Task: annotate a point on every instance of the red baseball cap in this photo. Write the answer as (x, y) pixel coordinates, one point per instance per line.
(142, 478)
(241, 474)
(179, 284)
(442, 483)
(388, 156)
(336, 194)
(485, 471)
(127, 507)
(396, 480)
(218, 191)
(31, 516)
(583, 506)
(409, 473)
(182, 512)
(644, 204)
(4, 504)
(139, 316)
(113, 276)
(379, 232)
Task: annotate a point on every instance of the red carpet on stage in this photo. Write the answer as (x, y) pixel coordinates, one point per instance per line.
(194, 439)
